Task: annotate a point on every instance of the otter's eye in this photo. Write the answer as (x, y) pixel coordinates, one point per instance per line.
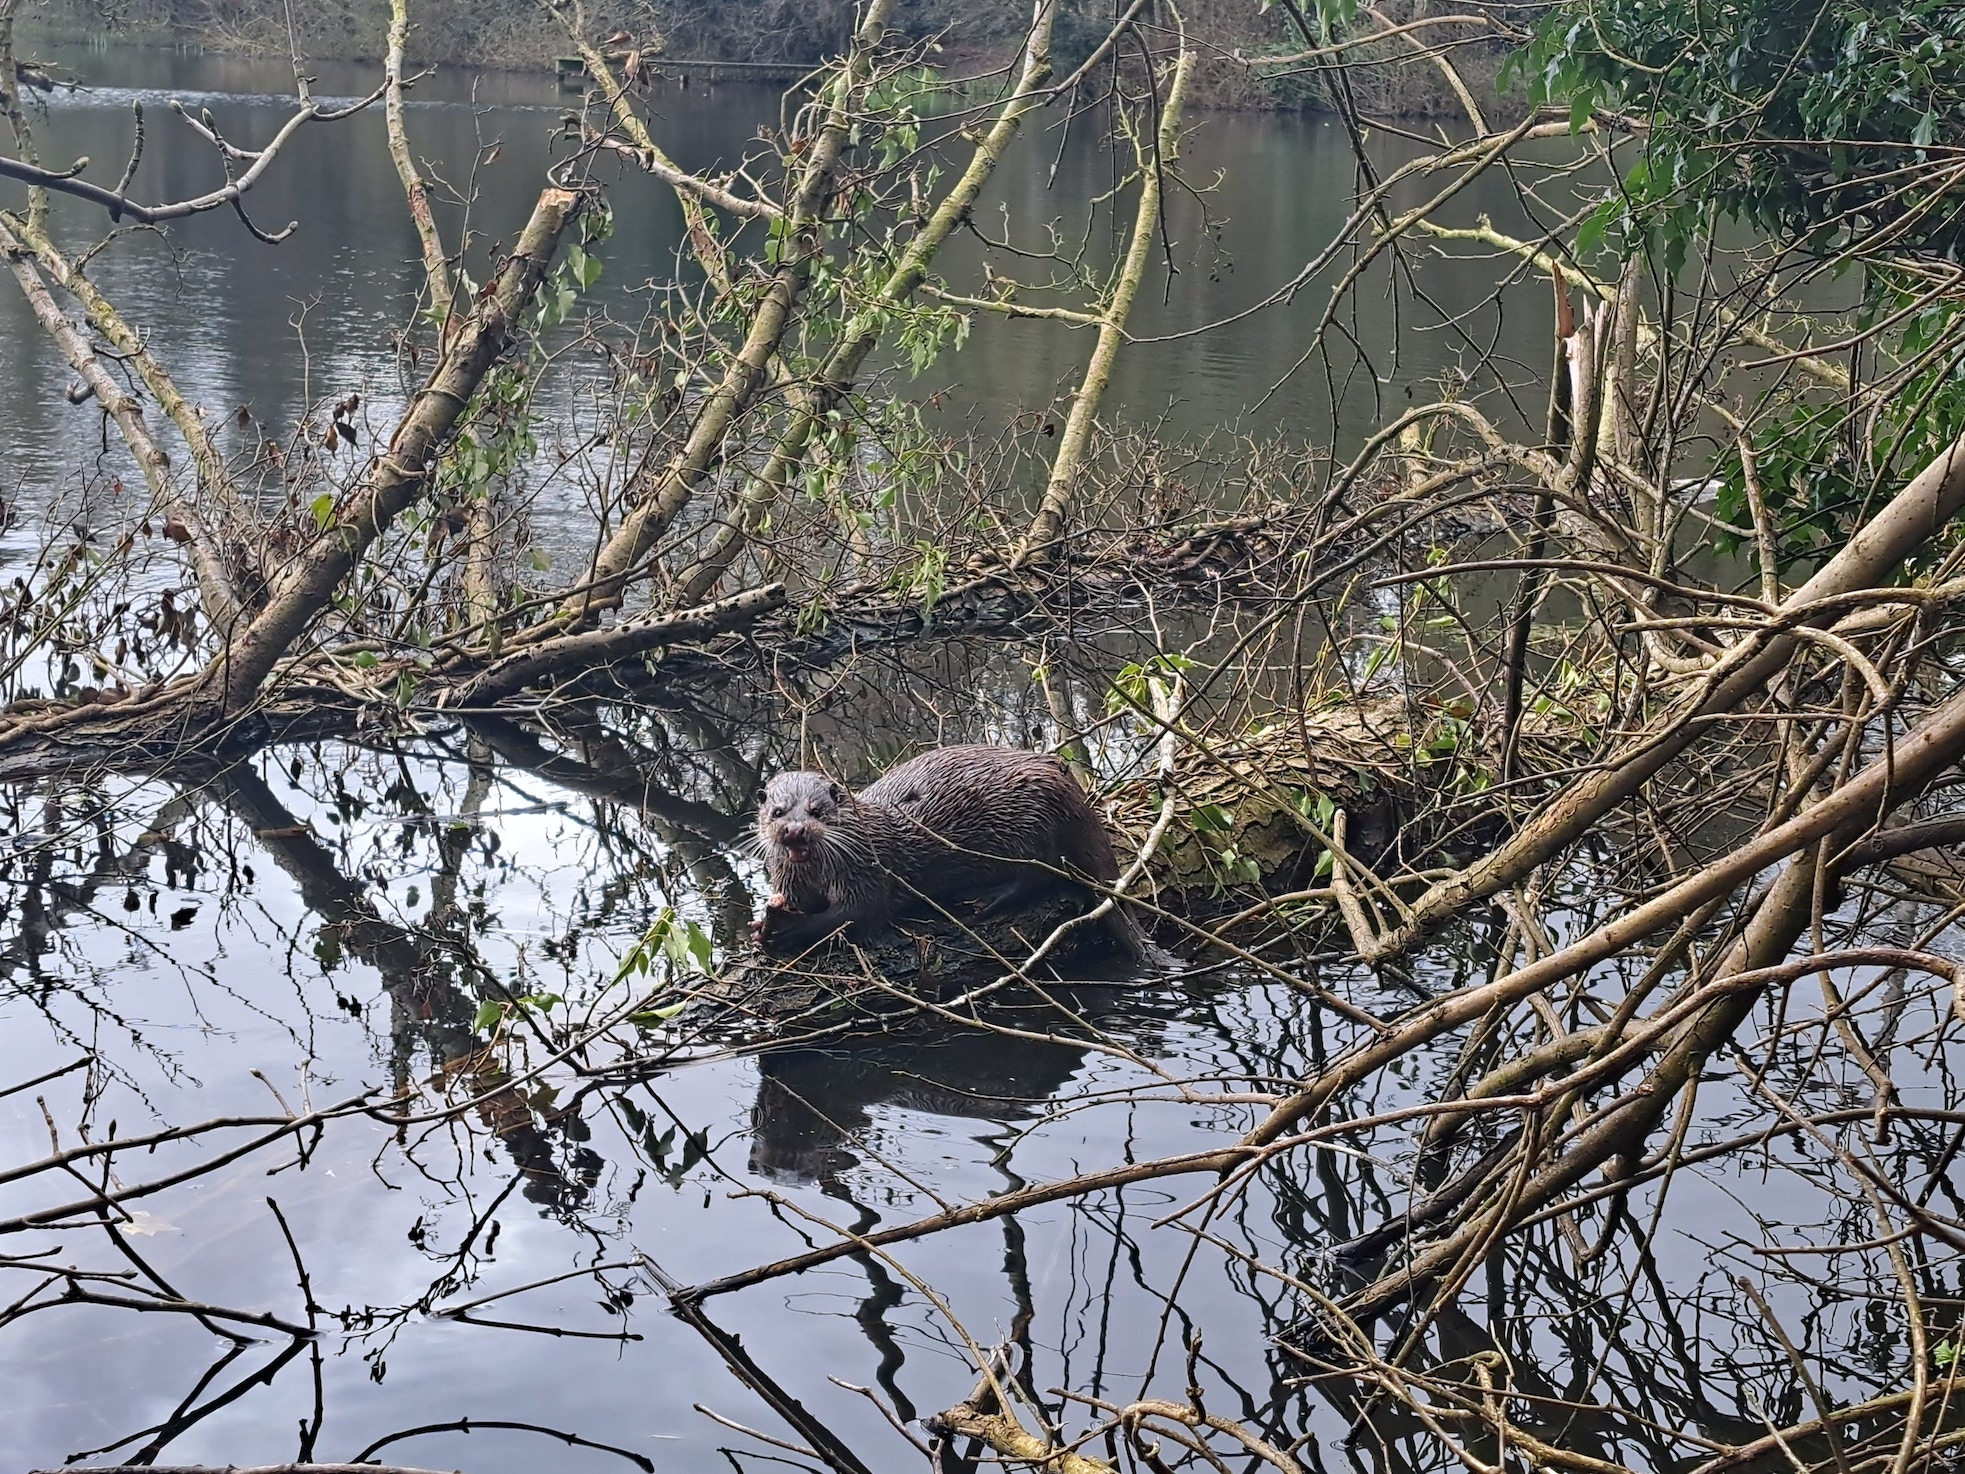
(778, 812)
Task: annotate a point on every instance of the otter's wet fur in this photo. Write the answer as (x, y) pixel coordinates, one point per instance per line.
(972, 827)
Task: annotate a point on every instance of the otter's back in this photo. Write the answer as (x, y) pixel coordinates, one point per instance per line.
(999, 803)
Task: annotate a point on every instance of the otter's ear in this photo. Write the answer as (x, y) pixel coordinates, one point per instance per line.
(758, 797)
(838, 793)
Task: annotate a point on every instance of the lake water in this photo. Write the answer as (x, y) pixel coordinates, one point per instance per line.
(313, 923)
(309, 924)
(281, 328)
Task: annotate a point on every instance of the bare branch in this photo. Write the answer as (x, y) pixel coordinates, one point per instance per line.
(232, 195)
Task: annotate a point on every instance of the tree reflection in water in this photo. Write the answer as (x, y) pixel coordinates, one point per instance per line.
(311, 1119)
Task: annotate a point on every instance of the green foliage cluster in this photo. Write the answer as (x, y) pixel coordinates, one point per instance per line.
(1816, 121)
(1824, 126)
(1822, 468)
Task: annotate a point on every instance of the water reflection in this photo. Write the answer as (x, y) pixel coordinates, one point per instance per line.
(490, 1234)
(432, 976)
(813, 1103)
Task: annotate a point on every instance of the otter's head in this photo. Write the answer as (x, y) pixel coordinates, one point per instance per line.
(792, 820)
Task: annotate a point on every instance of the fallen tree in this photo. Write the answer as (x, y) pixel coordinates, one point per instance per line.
(314, 597)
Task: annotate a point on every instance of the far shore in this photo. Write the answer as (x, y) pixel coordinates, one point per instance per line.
(1233, 87)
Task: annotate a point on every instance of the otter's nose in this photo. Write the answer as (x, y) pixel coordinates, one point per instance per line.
(792, 833)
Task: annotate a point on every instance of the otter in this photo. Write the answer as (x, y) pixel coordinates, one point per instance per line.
(990, 828)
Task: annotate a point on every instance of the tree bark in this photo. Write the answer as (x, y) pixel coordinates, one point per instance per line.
(10, 108)
(802, 239)
(842, 367)
(215, 591)
(1041, 540)
(1621, 1128)
(1918, 758)
(583, 652)
(213, 474)
(401, 474)
(436, 264)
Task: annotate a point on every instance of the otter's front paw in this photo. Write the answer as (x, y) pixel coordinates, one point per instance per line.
(771, 922)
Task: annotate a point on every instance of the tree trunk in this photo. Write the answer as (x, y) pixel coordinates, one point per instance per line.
(842, 366)
(1046, 527)
(402, 473)
(800, 242)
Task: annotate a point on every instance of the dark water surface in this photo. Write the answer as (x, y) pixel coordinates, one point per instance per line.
(315, 922)
(268, 975)
(309, 924)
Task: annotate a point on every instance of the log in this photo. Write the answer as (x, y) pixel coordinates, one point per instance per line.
(1241, 804)
(576, 654)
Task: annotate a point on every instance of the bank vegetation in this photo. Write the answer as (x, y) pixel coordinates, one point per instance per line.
(1246, 56)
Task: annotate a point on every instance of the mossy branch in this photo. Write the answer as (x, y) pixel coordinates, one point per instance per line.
(1048, 525)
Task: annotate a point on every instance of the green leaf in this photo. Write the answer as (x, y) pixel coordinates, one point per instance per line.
(702, 950)
(323, 509)
(490, 1014)
(649, 1017)
(1589, 235)
(687, 945)
(1675, 253)
(1213, 819)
